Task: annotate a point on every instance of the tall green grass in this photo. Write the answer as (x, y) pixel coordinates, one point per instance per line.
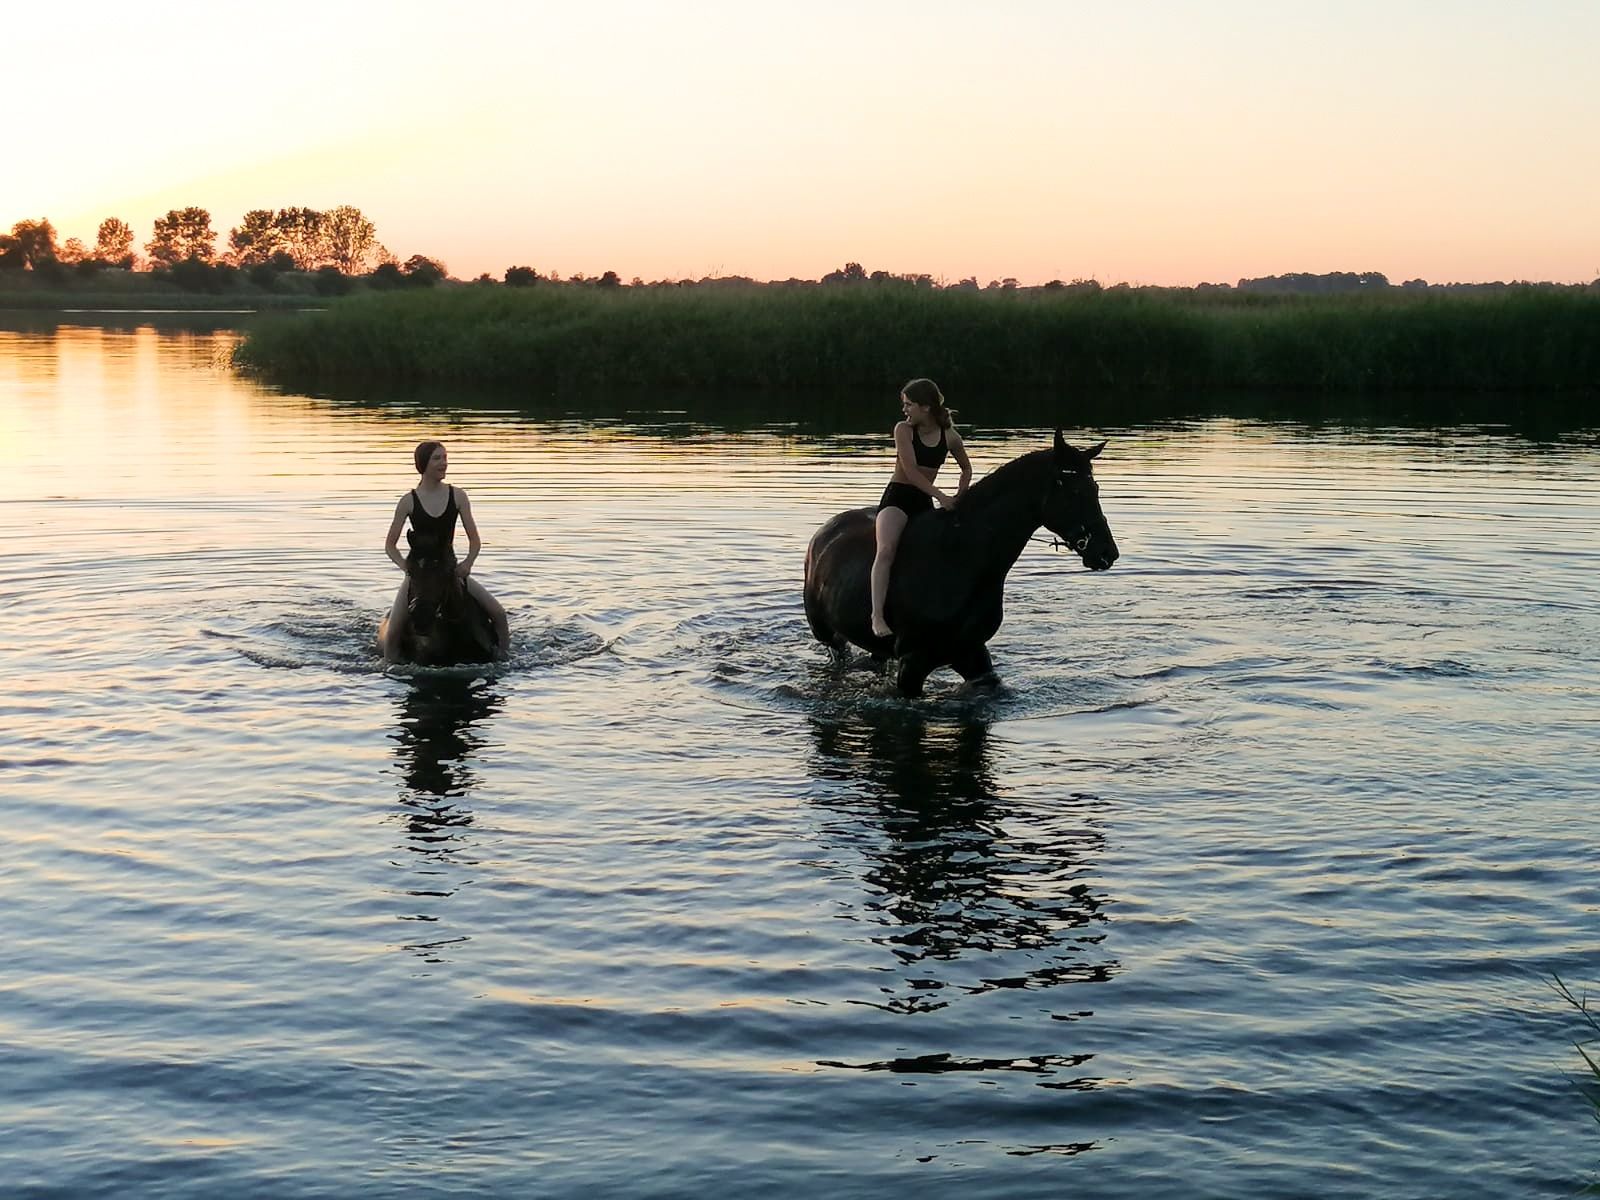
(1589, 1085)
(565, 337)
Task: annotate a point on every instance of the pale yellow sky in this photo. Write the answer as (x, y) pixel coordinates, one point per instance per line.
(1148, 142)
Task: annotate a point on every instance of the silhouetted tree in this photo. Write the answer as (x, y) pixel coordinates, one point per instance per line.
(521, 277)
(183, 234)
(10, 253)
(264, 276)
(255, 238)
(421, 271)
(113, 243)
(73, 252)
(301, 235)
(609, 280)
(386, 275)
(349, 238)
(851, 272)
(35, 242)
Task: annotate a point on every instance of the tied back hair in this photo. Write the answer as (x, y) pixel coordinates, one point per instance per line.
(926, 392)
(423, 453)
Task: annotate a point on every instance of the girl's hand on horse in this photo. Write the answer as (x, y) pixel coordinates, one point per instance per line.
(463, 570)
(945, 501)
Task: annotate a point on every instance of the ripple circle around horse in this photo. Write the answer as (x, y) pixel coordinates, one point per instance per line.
(946, 593)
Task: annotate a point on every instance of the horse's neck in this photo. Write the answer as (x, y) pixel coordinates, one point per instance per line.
(1008, 518)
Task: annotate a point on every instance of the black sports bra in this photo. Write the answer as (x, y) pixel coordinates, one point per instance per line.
(930, 456)
(440, 531)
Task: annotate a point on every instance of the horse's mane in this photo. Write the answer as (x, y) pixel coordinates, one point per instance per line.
(1005, 479)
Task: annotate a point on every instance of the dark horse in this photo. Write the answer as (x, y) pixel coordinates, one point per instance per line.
(945, 595)
(445, 626)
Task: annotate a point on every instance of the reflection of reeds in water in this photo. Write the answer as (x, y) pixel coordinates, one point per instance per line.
(971, 891)
(871, 336)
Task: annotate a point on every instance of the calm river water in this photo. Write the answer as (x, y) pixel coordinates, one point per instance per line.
(1248, 883)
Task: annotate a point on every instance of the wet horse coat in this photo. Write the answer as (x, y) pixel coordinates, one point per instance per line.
(445, 626)
(946, 593)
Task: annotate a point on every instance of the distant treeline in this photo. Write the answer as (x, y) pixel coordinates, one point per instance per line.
(546, 340)
(336, 248)
(336, 252)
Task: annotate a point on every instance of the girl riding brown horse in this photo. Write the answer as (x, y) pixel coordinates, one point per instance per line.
(433, 507)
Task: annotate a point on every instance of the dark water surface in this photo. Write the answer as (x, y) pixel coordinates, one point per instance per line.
(1245, 885)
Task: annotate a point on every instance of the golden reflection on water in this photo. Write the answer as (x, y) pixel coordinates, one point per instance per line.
(679, 845)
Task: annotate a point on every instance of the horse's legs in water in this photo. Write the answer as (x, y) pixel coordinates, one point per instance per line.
(890, 525)
(396, 628)
(975, 666)
(497, 614)
(914, 670)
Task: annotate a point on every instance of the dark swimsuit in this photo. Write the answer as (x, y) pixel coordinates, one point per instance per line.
(913, 500)
(435, 533)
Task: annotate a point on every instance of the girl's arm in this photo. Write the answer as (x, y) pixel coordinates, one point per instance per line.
(391, 544)
(906, 459)
(474, 542)
(958, 451)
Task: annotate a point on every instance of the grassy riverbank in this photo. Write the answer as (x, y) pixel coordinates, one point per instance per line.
(565, 337)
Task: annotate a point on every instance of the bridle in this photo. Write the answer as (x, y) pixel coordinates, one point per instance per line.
(1077, 544)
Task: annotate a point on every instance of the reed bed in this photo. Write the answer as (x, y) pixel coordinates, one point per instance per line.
(560, 338)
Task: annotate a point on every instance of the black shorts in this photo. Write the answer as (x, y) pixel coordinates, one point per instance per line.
(906, 498)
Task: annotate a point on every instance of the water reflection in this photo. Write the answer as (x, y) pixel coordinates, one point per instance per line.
(972, 891)
(438, 734)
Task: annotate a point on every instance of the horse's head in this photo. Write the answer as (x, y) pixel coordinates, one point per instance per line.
(1072, 505)
(435, 588)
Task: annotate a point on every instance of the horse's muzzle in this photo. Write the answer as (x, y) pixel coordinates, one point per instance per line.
(1097, 555)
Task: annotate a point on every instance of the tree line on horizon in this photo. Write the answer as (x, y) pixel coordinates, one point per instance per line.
(336, 245)
(340, 246)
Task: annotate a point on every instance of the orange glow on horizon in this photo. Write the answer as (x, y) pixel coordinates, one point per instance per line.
(1158, 143)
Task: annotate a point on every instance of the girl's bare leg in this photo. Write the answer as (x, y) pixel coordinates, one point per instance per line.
(397, 622)
(891, 523)
(497, 614)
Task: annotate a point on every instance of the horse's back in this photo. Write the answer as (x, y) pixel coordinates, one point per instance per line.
(838, 576)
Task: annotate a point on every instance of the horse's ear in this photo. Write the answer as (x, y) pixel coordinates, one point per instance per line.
(1094, 450)
(1061, 445)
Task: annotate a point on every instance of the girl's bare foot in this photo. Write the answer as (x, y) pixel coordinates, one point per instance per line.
(880, 627)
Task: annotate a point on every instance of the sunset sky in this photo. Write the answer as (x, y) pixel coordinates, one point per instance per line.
(1144, 142)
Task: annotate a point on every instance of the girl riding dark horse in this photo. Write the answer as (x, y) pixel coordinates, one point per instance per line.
(945, 597)
(441, 615)
(445, 624)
